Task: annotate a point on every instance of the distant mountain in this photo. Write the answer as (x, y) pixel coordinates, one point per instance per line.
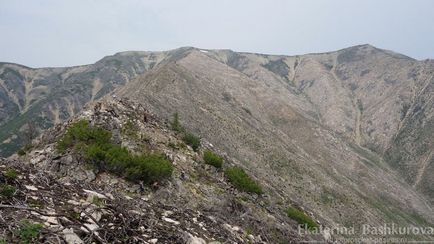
(347, 133)
(47, 96)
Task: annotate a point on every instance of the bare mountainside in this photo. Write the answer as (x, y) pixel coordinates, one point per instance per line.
(347, 133)
(303, 124)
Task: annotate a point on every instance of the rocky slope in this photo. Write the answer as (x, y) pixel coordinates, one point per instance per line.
(268, 120)
(78, 204)
(348, 134)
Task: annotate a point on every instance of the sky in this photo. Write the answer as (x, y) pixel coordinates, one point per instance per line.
(53, 33)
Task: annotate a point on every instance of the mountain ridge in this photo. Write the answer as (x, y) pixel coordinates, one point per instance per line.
(213, 49)
(348, 132)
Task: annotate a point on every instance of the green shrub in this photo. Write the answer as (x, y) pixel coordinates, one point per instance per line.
(241, 180)
(21, 152)
(95, 155)
(94, 144)
(148, 168)
(28, 231)
(82, 132)
(212, 159)
(7, 191)
(11, 174)
(301, 217)
(175, 124)
(25, 149)
(118, 159)
(28, 147)
(188, 138)
(192, 141)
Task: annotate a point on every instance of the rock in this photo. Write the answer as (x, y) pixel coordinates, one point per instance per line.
(84, 175)
(136, 212)
(114, 181)
(73, 202)
(194, 240)
(90, 227)
(49, 220)
(94, 194)
(67, 160)
(90, 175)
(167, 213)
(146, 198)
(37, 159)
(236, 228)
(109, 195)
(70, 237)
(97, 215)
(32, 188)
(134, 188)
(169, 220)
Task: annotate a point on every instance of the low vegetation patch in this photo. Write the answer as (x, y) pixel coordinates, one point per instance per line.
(94, 143)
(192, 140)
(7, 191)
(212, 159)
(175, 124)
(10, 174)
(188, 138)
(28, 232)
(25, 149)
(81, 134)
(21, 152)
(301, 218)
(242, 181)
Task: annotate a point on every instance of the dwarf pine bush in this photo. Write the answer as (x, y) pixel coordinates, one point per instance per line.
(301, 217)
(212, 159)
(242, 181)
(94, 143)
(192, 141)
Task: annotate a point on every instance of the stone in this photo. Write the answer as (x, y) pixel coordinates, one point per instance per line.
(90, 227)
(169, 220)
(70, 237)
(194, 240)
(94, 194)
(49, 220)
(32, 188)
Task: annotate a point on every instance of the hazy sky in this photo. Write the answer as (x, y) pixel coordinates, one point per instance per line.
(62, 33)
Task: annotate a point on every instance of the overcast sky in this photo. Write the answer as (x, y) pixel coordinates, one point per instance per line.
(40, 33)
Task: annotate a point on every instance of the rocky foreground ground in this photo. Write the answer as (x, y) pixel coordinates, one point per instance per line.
(53, 197)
